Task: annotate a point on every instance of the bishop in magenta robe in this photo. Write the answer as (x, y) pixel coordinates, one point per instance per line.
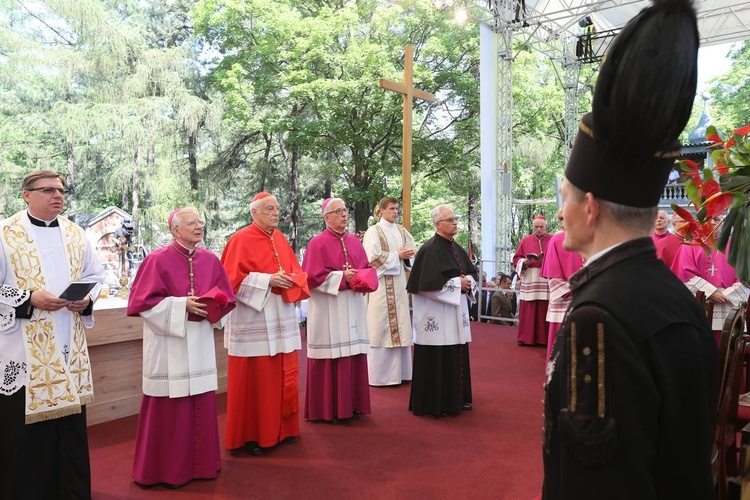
(337, 337)
(558, 266)
(712, 275)
(178, 436)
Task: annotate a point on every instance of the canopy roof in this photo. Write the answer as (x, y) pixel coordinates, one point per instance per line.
(719, 21)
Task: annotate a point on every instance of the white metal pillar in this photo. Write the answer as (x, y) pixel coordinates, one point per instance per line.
(488, 144)
(572, 66)
(504, 167)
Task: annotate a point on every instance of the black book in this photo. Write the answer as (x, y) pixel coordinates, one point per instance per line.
(77, 290)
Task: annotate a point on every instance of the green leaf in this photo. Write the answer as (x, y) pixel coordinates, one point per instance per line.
(726, 229)
(692, 192)
(711, 131)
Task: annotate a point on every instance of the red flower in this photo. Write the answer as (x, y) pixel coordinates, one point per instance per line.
(714, 138)
(743, 130)
(693, 172)
(722, 168)
(710, 188)
(716, 204)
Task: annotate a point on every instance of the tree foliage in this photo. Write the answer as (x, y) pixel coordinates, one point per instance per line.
(154, 105)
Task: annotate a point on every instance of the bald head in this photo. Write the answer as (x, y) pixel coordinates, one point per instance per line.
(661, 223)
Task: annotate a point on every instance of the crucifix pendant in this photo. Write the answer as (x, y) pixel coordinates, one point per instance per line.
(713, 269)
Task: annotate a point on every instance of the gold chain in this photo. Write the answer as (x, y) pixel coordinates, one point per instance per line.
(346, 254)
(190, 265)
(273, 246)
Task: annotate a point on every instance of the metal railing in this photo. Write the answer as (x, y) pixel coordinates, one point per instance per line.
(484, 300)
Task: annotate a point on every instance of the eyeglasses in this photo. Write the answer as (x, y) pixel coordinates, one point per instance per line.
(49, 191)
(449, 220)
(193, 223)
(338, 211)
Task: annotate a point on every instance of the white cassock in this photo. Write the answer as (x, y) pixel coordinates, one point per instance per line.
(388, 320)
(442, 317)
(339, 318)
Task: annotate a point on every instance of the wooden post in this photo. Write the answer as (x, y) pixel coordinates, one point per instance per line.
(409, 92)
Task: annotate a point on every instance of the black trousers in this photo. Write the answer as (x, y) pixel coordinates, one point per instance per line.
(46, 460)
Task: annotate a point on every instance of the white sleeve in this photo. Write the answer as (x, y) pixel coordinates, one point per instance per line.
(391, 267)
(472, 294)
(698, 284)
(92, 271)
(10, 298)
(255, 290)
(168, 317)
(450, 294)
(558, 289)
(332, 283)
(736, 293)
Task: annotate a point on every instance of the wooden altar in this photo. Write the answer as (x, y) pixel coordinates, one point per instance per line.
(116, 352)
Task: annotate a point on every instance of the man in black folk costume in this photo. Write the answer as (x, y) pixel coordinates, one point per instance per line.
(632, 382)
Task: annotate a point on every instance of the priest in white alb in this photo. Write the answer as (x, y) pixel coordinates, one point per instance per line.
(44, 359)
(390, 249)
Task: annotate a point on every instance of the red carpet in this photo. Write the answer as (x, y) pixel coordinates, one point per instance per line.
(493, 451)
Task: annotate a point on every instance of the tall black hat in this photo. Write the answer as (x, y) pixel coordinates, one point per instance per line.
(643, 98)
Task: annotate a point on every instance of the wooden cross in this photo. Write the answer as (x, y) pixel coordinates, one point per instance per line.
(409, 92)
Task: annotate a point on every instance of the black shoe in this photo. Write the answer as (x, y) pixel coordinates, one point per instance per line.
(252, 448)
(290, 439)
(467, 406)
(356, 415)
(335, 421)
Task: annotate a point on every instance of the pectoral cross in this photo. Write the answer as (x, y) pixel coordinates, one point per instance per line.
(409, 92)
(713, 269)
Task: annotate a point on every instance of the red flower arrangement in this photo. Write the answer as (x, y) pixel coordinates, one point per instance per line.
(711, 198)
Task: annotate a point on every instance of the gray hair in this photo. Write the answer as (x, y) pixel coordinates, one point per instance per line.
(177, 219)
(435, 214)
(633, 218)
(323, 209)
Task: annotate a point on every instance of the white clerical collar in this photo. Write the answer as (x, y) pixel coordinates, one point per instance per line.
(601, 253)
(190, 251)
(385, 223)
(41, 222)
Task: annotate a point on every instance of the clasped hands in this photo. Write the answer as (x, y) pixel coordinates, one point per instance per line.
(465, 283)
(280, 280)
(42, 299)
